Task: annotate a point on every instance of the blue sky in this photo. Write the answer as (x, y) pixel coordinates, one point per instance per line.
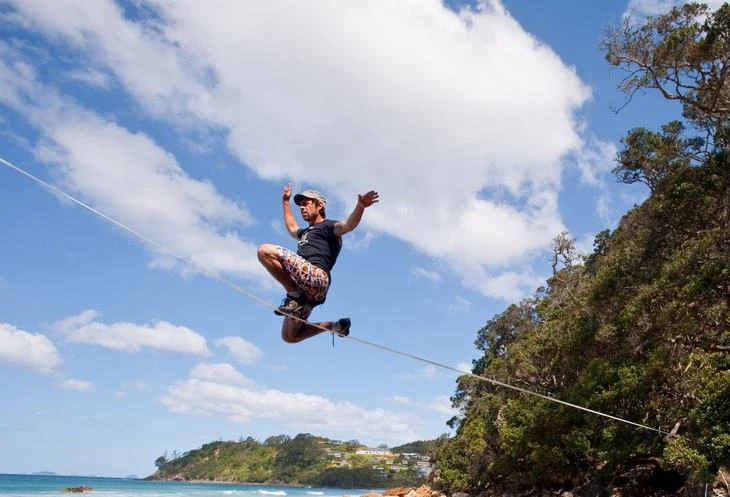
(487, 129)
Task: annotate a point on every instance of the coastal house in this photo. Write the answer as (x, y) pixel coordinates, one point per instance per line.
(374, 452)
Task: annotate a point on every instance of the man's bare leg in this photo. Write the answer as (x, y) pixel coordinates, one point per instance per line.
(293, 331)
(268, 255)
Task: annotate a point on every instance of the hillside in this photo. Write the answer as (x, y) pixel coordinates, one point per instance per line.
(638, 329)
(301, 460)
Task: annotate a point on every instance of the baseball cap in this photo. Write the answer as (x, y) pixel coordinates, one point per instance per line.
(313, 194)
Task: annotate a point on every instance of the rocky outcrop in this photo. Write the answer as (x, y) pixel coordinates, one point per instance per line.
(77, 490)
(630, 488)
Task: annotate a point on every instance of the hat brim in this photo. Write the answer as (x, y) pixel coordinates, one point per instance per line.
(298, 198)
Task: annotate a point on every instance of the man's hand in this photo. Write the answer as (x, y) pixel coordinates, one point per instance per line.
(286, 194)
(368, 199)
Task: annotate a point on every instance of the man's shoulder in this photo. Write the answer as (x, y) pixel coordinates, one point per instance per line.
(328, 223)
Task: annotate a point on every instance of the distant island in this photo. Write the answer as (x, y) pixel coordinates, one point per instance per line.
(44, 473)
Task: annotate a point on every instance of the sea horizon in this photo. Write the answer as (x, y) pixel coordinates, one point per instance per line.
(42, 483)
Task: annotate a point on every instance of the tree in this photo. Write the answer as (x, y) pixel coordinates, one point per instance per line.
(641, 330)
(303, 452)
(161, 461)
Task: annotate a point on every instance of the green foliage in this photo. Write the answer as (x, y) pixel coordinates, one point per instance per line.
(304, 460)
(424, 447)
(680, 456)
(641, 330)
(299, 460)
(366, 477)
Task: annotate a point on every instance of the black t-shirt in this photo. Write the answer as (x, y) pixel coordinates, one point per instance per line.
(319, 245)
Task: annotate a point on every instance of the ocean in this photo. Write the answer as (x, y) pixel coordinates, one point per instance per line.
(35, 485)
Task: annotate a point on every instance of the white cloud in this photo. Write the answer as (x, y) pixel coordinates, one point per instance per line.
(108, 166)
(584, 244)
(459, 304)
(130, 337)
(434, 112)
(242, 350)
(90, 76)
(222, 373)
(77, 385)
(464, 366)
(359, 240)
(29, 350)
(420, 272)
(429, 372)
(509, 285)
(442, 405)
(219, 390)
(595, 161)
(139, 385)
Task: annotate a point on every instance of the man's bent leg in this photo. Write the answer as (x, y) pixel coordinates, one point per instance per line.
(268, 255)
(293, 331)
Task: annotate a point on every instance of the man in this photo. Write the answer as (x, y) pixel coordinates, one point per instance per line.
(306, 275)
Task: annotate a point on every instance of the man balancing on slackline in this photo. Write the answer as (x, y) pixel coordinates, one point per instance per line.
(306, 275)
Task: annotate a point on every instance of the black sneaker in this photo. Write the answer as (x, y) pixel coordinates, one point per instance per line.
(288, 307)
(344, 325)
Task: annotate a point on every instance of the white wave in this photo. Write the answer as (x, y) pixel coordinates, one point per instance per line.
(269, 492)
(315, 493)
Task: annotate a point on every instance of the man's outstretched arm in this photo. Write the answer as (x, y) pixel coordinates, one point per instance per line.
(363, 201)
(291, 223)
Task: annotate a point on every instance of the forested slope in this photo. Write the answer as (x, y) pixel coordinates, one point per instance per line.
(637, 329)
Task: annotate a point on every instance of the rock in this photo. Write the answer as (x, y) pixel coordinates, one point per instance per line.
(371, 494)
(423, 491)
(460, 494)
(77, 490)
(397, 491)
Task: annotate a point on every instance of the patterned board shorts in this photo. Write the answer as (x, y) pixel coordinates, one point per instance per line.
(312, 280)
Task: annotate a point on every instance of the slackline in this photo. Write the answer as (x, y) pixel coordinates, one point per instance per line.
(213, 275)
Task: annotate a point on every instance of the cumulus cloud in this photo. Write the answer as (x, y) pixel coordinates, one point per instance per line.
(222, 373)
(464, 366)
(139, 386)
(442, 405)
(220, 390)
(594, 161)
(462, 119)
(459, 304)
(29, 350)
(130, 337)
(420, 272)
(126, 175)
(90, 76)
(242, 350)
(400, 399)
(429, 372)
(77, 385)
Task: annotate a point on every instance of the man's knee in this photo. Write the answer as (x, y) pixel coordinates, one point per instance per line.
(290, 331)
(266, 251)
(290, 336)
